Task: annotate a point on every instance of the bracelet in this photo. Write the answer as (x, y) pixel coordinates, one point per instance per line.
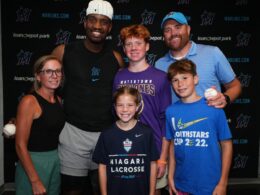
(227, 98)
(161, 162)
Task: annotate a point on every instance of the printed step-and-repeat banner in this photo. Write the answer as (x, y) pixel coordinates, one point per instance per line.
(33, 28)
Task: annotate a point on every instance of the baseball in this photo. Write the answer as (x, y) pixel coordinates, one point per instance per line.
(9, 129)
(210, 92)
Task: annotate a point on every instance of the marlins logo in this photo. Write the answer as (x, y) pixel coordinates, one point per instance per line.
(95, 73)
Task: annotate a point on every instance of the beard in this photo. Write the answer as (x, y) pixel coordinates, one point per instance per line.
(177, 45)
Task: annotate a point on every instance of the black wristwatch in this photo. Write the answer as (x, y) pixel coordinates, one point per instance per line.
(227, 98)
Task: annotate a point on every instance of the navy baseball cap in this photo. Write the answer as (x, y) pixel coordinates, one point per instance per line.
(178, 16)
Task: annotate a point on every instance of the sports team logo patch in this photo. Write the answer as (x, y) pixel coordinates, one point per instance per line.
(127, 145)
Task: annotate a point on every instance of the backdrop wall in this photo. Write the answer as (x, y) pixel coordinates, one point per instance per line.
(1, 111)
(33, 28)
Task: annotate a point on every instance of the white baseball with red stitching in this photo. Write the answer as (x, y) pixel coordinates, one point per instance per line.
(9, 129)
(210, 92)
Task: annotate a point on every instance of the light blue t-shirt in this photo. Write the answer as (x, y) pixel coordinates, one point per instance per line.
(212, 66)
(196, 129)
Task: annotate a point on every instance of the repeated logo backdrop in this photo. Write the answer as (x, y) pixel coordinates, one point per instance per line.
(33, 28)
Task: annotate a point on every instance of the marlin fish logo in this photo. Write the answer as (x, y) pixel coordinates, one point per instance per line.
(181, 125)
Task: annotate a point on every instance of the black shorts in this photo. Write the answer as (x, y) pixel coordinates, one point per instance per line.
(82, 183)
(69, 182)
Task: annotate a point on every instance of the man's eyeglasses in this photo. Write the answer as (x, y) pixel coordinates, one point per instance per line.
(50, 72)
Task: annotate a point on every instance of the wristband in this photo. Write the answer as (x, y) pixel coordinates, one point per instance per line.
(161, 162)
(227, 98)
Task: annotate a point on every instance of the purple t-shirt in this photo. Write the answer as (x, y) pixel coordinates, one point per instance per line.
(156, 93)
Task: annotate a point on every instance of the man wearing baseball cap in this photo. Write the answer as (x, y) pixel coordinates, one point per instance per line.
(100, 7)
(177, 16)
(213, 67)
(89, 66)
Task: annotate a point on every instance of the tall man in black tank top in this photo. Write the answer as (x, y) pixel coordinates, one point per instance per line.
(89, 66)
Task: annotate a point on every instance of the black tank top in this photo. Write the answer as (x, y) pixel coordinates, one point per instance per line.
(88, 86)
(45, 130)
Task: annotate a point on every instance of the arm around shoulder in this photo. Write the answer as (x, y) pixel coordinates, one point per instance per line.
(119, 59)
(59, 51)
